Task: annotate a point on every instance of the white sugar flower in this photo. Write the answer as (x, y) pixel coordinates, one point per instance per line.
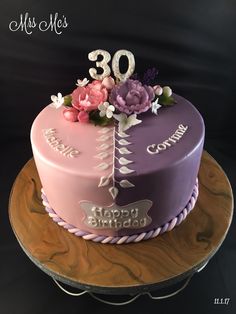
(126, 122)
(57, 100)
(83, 82)
(106, 110)
(155, 106)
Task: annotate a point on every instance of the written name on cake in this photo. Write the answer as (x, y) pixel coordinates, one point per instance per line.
(131, 216)
(57, 145)
(54, 23)
(173, 139)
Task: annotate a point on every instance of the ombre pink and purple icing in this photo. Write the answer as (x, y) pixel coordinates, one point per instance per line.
(127, 165)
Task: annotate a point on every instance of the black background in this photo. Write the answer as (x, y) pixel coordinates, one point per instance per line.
(192, 43)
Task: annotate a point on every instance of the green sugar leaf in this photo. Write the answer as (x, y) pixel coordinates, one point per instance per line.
(95, 118)
(67, 101)
(166, 101)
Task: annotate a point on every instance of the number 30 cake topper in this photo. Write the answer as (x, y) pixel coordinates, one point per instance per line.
(93, 56)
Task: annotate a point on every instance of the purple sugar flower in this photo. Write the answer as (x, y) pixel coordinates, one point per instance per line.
(132, 97)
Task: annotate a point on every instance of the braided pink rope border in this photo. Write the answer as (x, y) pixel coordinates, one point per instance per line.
(124, 239)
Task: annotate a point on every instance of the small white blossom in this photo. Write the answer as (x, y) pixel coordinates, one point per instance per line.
(155, 106)
(106, 110)
(126, 122)
(83, 82)
(57, 100)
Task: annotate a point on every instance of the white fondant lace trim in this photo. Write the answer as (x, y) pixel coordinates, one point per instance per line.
(124, 239)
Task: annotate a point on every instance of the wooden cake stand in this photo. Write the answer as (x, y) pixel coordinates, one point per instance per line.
(128, 268)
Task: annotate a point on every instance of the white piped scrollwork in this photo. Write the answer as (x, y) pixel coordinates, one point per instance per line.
(104, 181)
(125, 170)
(104, 130)
(123, 161)
(122, 134)
(123, 142)
(102, 155)
(103, 138)
(103, 147)
(124, 151)
(114, 192)
(102, 166)
(109, 179)
(126, 184)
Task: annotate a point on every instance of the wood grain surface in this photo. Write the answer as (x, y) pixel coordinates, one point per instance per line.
(128, 268)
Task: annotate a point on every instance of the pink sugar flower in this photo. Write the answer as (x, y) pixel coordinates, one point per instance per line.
(88, 98)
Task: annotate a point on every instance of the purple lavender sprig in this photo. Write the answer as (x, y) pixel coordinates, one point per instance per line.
(135, 76)
(149, 76)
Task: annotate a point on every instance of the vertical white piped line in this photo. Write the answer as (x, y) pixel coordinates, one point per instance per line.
(103, 153)
(113, 190)
(105, 180)
(123, 161)
(114, 150)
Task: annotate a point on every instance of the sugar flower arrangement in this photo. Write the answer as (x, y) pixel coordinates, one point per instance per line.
(104, 100)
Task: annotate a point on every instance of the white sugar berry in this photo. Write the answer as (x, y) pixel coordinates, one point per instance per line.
(167, 91)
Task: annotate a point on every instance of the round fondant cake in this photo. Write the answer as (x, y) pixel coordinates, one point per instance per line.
(118, 162)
